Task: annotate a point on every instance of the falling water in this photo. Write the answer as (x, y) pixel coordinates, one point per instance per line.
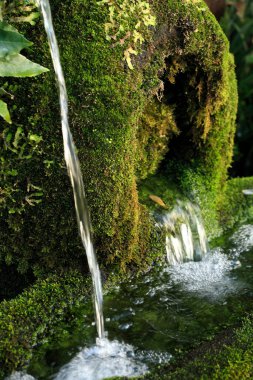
(185, 234)
(74, 171)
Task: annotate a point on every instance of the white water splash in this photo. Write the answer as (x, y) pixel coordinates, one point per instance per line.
(209, 277)
(74, 171)
(248, 191)
(243, 239)
(185, 234)
(105, 359)
(154, 357)
(20, 376)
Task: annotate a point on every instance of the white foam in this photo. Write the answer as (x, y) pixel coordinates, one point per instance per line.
(105, 359)
(248, 191)
(243, 239)
(210, 277)
(155, 357)
(19, 376)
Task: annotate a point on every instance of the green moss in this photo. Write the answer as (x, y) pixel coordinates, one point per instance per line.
(177, 105)
(236, 207)
(156, 127)
(33, 317)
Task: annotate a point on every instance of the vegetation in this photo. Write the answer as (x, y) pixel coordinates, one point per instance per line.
(127, 125)
(131, 68)
(238, 26)
(12, 63)
(33, 317)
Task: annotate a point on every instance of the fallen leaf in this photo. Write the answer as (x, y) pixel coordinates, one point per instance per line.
(158, 200)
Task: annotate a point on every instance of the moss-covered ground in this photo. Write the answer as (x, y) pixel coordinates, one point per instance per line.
(38, 315)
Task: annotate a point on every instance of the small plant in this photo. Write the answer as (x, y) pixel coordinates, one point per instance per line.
(12, 63)
(129, 22)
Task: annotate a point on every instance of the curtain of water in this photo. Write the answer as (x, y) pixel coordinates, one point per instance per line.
(185, 234)
(74, 171)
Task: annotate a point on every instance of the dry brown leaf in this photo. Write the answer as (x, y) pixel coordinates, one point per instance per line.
(158, 200)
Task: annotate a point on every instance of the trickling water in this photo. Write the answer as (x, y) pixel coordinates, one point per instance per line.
(74, 171)
(185, 234)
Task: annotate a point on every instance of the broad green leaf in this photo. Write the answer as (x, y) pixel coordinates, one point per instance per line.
(12, 43)
(19, 66)
(4, 112)
(7, 27)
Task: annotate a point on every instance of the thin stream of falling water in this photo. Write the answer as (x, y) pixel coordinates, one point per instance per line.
(74, 171)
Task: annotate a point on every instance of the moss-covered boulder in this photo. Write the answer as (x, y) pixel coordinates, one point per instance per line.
(151, 87)
(37, 315)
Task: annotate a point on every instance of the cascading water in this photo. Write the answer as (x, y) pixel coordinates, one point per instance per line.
(185, 234)
(74, 171)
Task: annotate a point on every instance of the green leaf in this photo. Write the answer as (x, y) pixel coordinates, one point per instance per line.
(4, 112)
(11, 42)
(19, 66)
(7, 27)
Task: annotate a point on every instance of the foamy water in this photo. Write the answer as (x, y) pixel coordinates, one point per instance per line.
(209, 277)
(242, 239)
(19, 376)
(105, 359)
(213, 275)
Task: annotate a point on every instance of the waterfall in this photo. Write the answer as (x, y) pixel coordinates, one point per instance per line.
(185, 233)
(74, 171)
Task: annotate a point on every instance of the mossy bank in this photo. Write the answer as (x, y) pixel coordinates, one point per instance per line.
(151, 89)
(39, 315)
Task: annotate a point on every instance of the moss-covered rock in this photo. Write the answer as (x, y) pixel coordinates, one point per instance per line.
(236, 206)
(34, 317)
(144, 96)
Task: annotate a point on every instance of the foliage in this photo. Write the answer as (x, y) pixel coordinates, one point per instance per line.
(32, 318)
(19, 11)
(238, 26)
(235, 206)
(12, 63)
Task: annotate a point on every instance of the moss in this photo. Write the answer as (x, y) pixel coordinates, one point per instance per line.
(34, 316)
(236, 207)
(177, 105)
(156, 127)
